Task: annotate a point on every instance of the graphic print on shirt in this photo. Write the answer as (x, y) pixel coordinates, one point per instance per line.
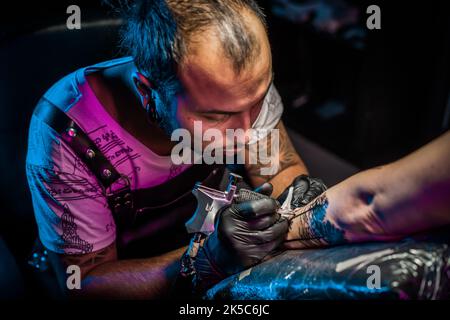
(81, 184)
(112, 147)
(71, 188)
(72, 240)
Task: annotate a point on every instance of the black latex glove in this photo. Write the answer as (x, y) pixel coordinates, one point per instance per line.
(306, 189)
(246, 234)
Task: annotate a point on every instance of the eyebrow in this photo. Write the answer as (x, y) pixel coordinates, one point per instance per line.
(236, 112)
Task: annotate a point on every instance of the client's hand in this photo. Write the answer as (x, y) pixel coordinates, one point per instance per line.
(344, 213)
(246, 234)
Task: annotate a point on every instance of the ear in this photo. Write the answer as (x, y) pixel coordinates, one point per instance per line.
(144, 87)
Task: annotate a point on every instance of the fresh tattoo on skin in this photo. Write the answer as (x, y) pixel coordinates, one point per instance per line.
(309, 227)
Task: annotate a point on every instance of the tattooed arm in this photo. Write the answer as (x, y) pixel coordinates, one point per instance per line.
(103, 276)
(386, 203)
(283, 167)
(309, 228)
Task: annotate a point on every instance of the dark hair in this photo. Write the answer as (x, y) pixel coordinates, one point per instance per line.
(157, 32)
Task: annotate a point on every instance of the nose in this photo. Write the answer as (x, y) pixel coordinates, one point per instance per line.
(244, 123)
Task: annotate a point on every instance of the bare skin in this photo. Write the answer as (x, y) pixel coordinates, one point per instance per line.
(237, 101)
(385, 203)
(106, 277)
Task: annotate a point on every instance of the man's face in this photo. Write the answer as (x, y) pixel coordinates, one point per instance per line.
(214, 94)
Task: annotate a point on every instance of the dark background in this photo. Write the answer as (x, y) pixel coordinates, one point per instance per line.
(369, 103)
(394, 90)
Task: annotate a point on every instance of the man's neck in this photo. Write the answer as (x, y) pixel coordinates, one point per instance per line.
(117, 94)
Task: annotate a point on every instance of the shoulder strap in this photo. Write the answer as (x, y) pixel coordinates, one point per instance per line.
(120, 199)
(79, 141)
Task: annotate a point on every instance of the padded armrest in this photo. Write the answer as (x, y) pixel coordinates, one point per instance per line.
(407, 270)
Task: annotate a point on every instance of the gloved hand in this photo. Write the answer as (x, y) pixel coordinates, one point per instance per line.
(305, 189)
(246, 233)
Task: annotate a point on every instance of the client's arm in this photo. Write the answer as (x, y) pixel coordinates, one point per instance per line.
(384, 203)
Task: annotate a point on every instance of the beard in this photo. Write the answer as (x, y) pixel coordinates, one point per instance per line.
(166, 106)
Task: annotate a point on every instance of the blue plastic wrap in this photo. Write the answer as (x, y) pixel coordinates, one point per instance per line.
(406, 270)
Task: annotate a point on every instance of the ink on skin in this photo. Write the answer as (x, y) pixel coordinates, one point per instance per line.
(314, 231)
(325, 229)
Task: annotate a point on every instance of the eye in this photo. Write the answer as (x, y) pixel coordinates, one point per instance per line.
(214, 117)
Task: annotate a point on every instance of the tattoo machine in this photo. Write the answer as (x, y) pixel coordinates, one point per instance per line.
(210, 201)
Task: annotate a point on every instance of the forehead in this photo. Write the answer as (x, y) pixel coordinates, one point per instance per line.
(210, 80)
(215, 85)
(211, 91)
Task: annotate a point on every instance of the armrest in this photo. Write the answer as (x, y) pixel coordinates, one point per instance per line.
(407, 270)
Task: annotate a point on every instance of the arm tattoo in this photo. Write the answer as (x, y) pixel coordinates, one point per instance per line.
(287, 154)
(310, 228)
